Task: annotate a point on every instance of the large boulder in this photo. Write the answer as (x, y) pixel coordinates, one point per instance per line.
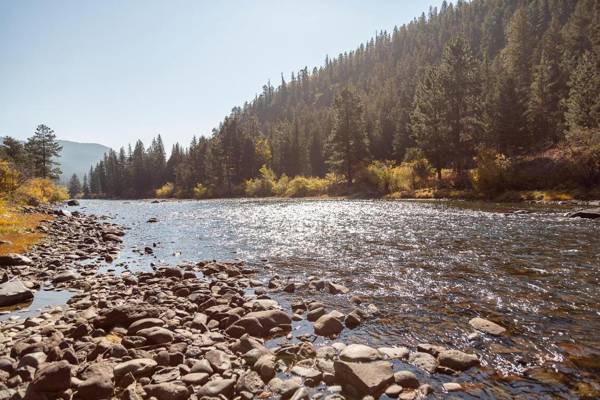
(11, 259)
(14, 292)
(591, 213)
(328, 325)
(124, 315)
(53, 377)
(367, 378)
(259, 323)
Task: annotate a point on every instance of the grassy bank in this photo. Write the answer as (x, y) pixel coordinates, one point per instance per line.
(18, 229)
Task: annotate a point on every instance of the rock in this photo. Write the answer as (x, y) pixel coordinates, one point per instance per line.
(457, 360)
(73, 202)
(139, 367)
(53, 377)
(315, 314)
(486, 326)
(152, 220)
(286, 388)
(11, 259)
(265, 366)
(352, 320)
(452, 386)
(156, 335)
(393, 353)
(64, 213)
(249, 381)
(66, 276)
(424, 361)
(367, 378)
(328, 325)
(432, 349)
(260, 323)
(334, 288)
(218, 360)
(14, 292)
(591, 213)
(195, 378)
(406, 379)
(218, 387)
(359, 353)
(393, 391)
(97, 387)
(167, 391)
(311, 376)
(144, 323)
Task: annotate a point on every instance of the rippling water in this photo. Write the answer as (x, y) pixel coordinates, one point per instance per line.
(429, 266)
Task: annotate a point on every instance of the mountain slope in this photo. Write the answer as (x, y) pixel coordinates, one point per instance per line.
(76, 158)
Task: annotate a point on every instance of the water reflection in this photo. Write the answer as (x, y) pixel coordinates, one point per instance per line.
(430, 267)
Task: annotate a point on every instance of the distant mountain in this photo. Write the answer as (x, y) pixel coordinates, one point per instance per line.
(76, 158)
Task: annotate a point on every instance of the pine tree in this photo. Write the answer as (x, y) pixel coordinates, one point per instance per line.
(348, 140)
(583, 104)
(85, 187)
(428, 120)
(75, 188)
(42, 149)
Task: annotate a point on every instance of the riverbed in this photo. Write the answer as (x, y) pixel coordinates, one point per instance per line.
(429, 266)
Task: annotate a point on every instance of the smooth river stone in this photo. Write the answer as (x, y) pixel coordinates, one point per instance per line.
(486, 326)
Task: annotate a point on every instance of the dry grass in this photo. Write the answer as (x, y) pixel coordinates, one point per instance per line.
(19, 229)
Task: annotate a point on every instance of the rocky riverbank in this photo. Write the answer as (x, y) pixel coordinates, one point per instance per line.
(203, 331)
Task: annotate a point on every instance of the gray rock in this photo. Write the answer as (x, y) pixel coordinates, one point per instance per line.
(65, 277)
(591, 213)
(195, 378)
(393, 353)
(406, 379)
(424, 361)
(14, 292)
(367, 378)
(219, 360)
(218, 387)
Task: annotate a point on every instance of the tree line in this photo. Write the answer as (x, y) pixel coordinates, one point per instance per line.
(513, 76)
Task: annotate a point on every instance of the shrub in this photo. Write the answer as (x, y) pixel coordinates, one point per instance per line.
(583, 149)
(165, 191)
(302, 186)
(386, 178)
(201, 191)
(9, 178)
(263, 186)
(491, 174)
(40, 191)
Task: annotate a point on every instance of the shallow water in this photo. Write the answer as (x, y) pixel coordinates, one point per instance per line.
(428, 266)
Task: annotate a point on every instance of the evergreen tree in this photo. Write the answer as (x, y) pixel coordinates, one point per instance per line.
(74, 187)
(583, 104)
(42, 149)
(85, 187)
(348, 141)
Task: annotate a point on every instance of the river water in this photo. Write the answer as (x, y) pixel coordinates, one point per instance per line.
(429, 266)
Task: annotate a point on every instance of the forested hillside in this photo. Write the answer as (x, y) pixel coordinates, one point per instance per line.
(482, 84)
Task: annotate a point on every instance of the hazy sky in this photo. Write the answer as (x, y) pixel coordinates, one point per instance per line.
(113, 71)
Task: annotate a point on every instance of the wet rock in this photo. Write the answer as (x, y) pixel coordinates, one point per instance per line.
(406, 379)
(367, 378)
(432, 349)
(167, 391)
(452, 386)
(53, 377)
(260, 323)
(14, 292)
(73, 202)
(591, 213)
(360, 353)
(335, 288)
(152, 220)
(352, 320)
(11, 259)
(328, 325)
(393, 391)
(424, 361)
(486, 326)
(457, 360)
(315, 314)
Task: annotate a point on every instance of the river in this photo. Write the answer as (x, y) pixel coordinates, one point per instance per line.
(429, 266)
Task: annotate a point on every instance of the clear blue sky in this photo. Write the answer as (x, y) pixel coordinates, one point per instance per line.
(113, 71)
